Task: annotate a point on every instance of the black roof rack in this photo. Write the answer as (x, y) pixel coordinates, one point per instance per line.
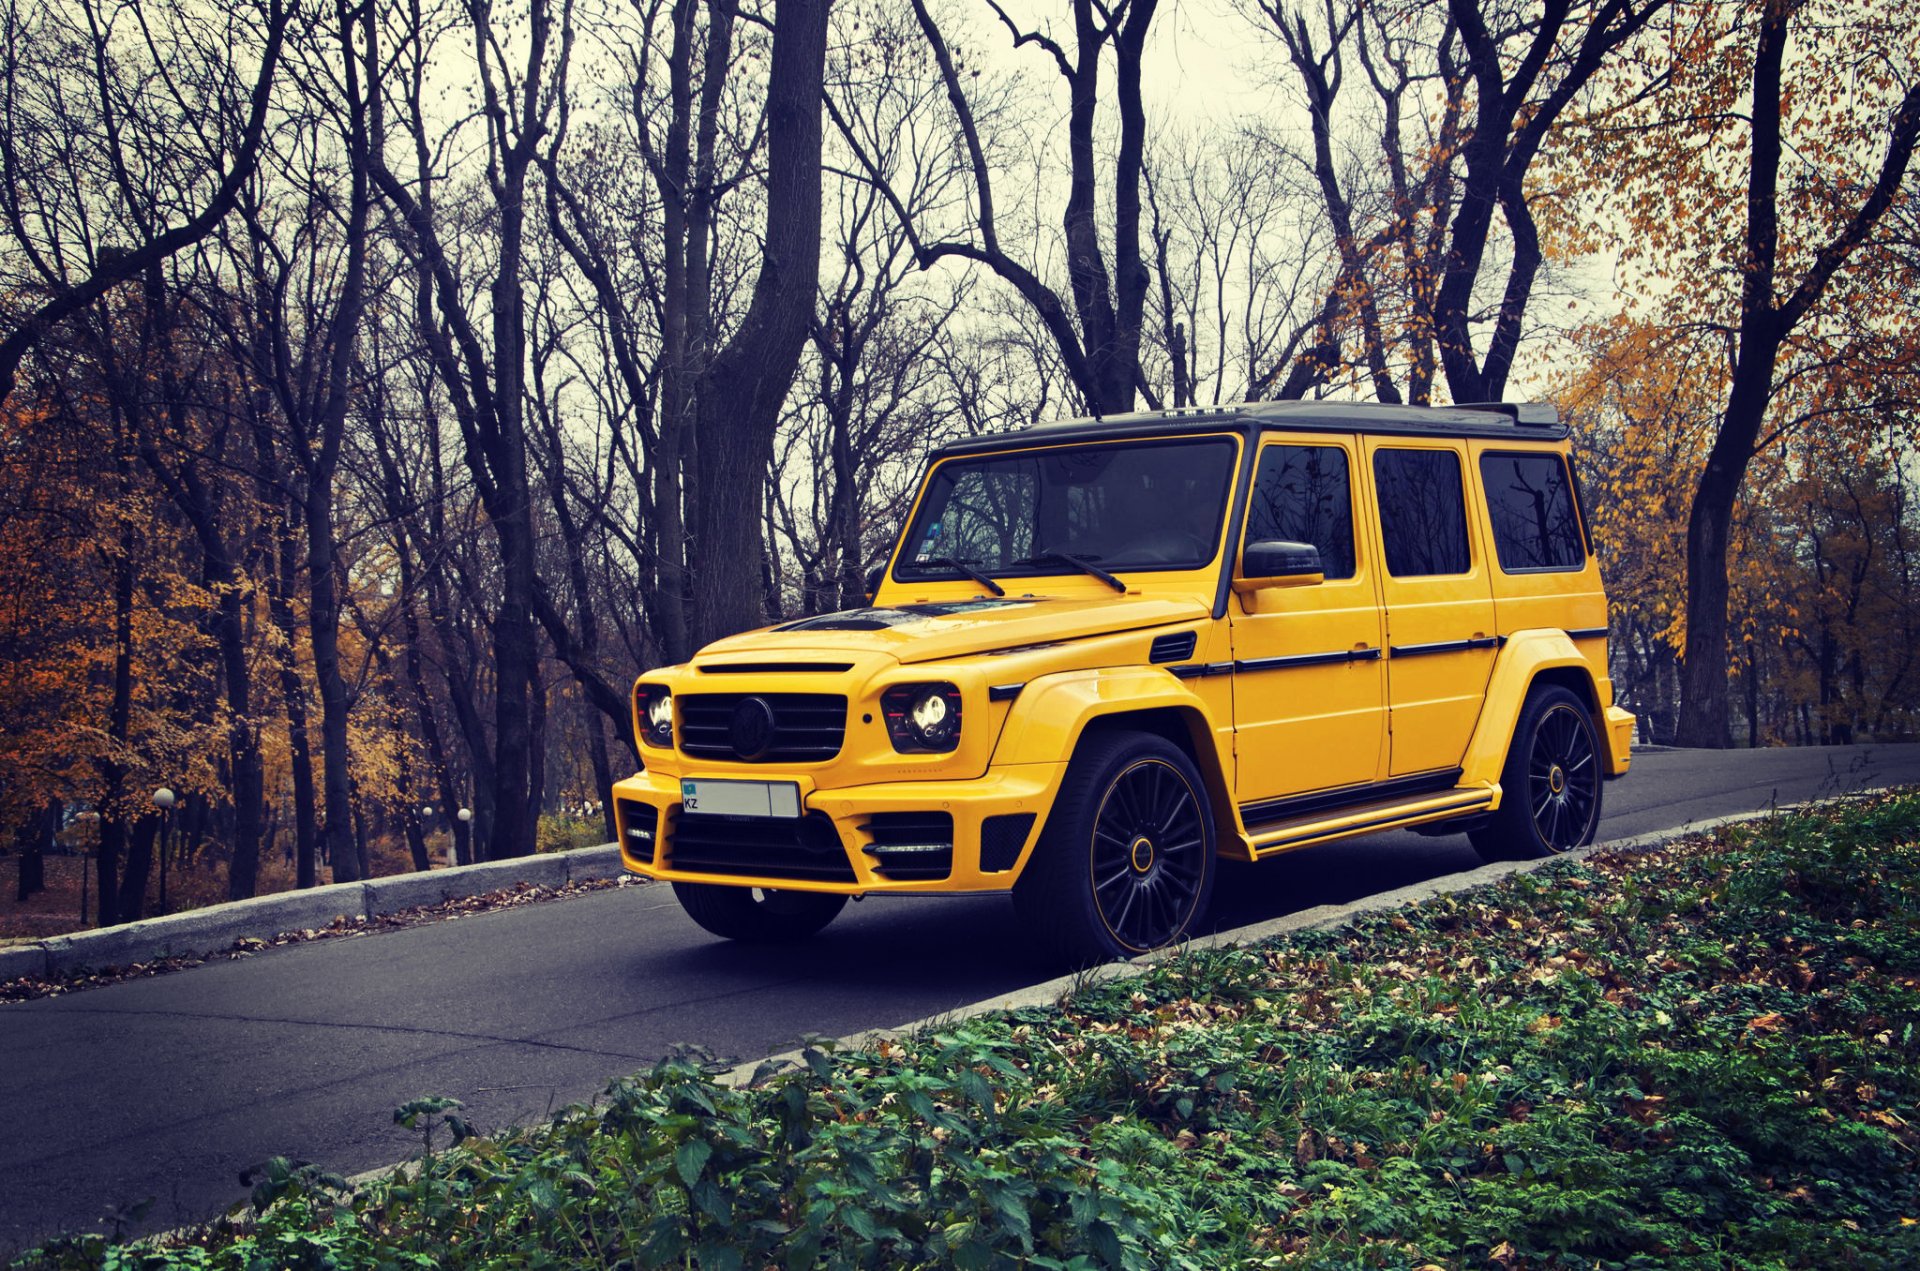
(1539, 420)
(1531, 414)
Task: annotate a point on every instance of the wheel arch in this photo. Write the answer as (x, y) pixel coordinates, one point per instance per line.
(1528, 659)
(1055, 716)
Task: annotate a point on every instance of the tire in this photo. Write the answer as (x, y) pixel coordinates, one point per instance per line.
(1550, 783)
(758, 915)
(1126, 862)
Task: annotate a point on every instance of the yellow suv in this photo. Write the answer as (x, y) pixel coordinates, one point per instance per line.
(1107, 652)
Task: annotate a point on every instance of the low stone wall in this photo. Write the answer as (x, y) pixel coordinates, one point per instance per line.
(216, 927)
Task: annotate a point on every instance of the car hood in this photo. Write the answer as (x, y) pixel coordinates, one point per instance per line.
(950, 629)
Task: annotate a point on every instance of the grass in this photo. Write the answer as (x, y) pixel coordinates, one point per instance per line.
(1699, 1057)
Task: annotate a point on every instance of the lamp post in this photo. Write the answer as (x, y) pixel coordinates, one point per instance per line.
(163, 799)
(466, 818)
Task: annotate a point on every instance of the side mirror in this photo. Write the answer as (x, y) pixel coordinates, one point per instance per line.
(874, 577)
(1272, 563)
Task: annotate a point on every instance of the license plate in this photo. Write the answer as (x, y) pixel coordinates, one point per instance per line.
(741, 798)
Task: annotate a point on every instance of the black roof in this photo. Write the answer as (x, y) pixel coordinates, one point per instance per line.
(1513, 421)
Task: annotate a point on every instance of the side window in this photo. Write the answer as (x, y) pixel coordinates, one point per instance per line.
(1530, 502)
(1301, 495)
(1423, 512)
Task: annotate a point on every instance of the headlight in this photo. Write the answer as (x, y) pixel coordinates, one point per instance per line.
(931, 718)
(657, 710)
(922, 717)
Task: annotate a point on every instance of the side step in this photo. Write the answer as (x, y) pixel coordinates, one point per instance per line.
(1270, 838)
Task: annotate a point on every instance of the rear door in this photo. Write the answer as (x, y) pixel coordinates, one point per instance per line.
(1436, 586)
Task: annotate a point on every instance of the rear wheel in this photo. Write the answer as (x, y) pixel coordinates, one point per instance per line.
(758, 915)
(1126, 862)
(1550, 784)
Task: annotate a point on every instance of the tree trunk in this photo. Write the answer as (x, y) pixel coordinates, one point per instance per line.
(293, 694)
(132, 905)
(323, 625)
(741, 395)
(1764, 326)
(33, 847)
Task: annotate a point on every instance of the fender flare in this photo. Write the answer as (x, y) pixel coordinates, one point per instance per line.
(1523, 659)
(1053, 712)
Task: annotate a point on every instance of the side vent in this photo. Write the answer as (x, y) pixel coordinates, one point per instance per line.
(910, 845)
(1001, 838)
(1177, 647)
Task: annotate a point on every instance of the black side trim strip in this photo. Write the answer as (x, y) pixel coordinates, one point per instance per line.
(1197, 670)
(1307, 659)
(1588, 633)
(1270, 810)
(1466, 805)
(1445, 646)
(1004, 692)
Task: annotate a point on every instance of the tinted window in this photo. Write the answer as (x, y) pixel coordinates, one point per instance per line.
(1530, 503)
(1300, 496)
(1142, 505)
(1423, 514)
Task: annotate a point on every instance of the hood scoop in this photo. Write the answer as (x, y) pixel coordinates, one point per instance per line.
(773, 668)
(881, 619)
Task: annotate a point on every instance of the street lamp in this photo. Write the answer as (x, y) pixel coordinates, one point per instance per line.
(466, 818)
(163, 799)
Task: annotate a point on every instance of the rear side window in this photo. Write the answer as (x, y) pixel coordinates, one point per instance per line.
(1423, 512)
(1301, 495)
(1530, 502)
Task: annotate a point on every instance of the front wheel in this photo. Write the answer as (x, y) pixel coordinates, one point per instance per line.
(1126, 862)
(758, 915)
(1550, 783)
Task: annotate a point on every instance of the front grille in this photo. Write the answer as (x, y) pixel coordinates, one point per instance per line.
(767, 847)
(1001, 838)
(807, 727)
(910, 845)
(640, 824)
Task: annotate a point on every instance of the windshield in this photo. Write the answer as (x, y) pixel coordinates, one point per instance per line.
(1125, 506)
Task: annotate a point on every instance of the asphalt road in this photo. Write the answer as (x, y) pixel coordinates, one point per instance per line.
(167, 1088)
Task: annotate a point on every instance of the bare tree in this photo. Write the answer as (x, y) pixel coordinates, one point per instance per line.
(140, 82)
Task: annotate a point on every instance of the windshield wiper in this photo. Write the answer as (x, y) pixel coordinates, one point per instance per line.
(948, 562)
(1081, 563)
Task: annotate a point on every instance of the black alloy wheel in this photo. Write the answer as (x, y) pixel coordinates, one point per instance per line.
(1550, 784)
(1126, 862)
(1148, 853)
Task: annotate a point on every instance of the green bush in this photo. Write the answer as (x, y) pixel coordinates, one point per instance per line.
(559, 832)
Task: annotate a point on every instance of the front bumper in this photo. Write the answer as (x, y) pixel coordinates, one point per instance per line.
(1619, 741)
(884, 837)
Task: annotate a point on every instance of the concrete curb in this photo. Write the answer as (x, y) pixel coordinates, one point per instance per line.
(216, 927)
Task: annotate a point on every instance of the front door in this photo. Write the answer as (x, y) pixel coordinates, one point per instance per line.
(1309, 685)
(1438, 592)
